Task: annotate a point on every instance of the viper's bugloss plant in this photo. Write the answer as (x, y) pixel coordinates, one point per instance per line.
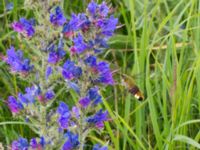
(71, 59)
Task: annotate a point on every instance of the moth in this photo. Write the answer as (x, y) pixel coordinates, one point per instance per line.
(129, 83)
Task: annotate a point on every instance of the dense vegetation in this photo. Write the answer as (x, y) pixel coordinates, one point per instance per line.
(158, 44)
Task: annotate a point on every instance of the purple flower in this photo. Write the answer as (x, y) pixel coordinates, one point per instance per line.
(105, 75)
(56, 53)
(48, 71)
(53, 57)
(103, 9)
(42, 141)
(33, 143)
(63, 122)
(84, 102)
(15, 145)
(98, 147)
(79, 44)
(57, 19)
(33, 91)
(63, 108)
(18, 27)
(17, 62)
(98, 10)
(84, 22)
(70, 70)
(91, 61)
(71, 26)
(92, 8)
(77, 22)
(24, 27)
(101, 69)
(65, 115)
(20, 144)
(98, 118)
(107, 25)
(94, 96)
(30, 95)
(56, 56)
(14, 105)
(49, 95)
(99, 125)
(101, 42)
(22, 98)
(72, 141)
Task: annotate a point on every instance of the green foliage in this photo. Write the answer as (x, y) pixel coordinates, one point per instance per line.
(160, 41)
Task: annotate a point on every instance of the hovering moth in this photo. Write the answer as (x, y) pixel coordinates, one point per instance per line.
(129, 83)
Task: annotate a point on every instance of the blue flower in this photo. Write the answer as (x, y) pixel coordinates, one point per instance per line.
(30, 95)
(91, 61)
(98, 118)
(57, 19)
(63, 122)
(53, 57)
(17, 62)
(98, 147)
(33, 143)
(101, 42)
(105, 75)
(92, 8)
(64, 116)
(56, 53)
(14, 105)
(62, 108)
(107, 25)
(79, 44)
(77, 22)
(84, 102)
(94, 96)
(103, 9)
(24, 27)
(102, 70)
(49, 95)
(84, 22)
(99, 11)
(42, 141)
(70, 70)
(72, 141)
(20, 144)
(72, 25)
(22, 98)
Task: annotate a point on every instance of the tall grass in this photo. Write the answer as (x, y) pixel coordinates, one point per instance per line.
(160, 45)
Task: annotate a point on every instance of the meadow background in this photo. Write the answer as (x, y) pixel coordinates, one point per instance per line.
(158, 44)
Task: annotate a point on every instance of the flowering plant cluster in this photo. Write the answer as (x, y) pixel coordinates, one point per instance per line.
(71, 60)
